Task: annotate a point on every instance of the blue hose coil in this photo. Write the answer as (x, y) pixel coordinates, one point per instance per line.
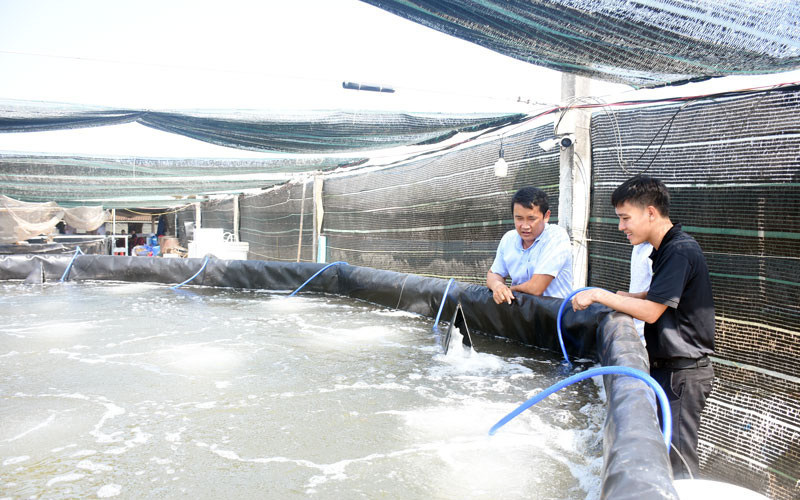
(315, 275)
(66, 271)
(666, 420)
(558, 322)
(441, 307)
(193, 276)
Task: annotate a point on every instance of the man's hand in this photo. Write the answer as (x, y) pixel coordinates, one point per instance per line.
(584, 299)
(497, 284)
(501, 293)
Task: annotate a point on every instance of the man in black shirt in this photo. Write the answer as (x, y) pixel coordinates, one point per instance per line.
(678, 310)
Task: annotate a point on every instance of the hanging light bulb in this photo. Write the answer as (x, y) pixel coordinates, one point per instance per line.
(500, 166)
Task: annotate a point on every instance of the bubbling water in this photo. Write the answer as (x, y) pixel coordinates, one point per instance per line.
(137, 390)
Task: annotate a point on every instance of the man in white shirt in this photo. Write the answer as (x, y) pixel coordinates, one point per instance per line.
(536, 255)
(641, 275)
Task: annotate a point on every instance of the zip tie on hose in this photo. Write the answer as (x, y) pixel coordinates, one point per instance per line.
(558, 322)
(66, 271)
(666, 421)
(193, 277)
(315, 275)
(441, 307)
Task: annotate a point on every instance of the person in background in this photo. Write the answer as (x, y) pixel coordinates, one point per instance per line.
(162, 226)
(678, 311)
(120, 243)
(536, 255)
(641, 274)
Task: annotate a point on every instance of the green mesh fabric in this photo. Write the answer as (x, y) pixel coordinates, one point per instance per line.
(138, 182)
(313, 132)
(732, 169)
(440, 216)
(641, 43)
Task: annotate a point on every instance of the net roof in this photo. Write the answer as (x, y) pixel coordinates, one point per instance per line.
(310, 132)
(141, 182)
(641, 42)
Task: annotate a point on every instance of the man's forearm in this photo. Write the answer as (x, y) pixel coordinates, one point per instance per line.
(534, 286)
(494, 279)
(643, 309)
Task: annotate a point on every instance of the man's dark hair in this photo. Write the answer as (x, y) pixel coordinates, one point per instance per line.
(642, 191)
(530, 197)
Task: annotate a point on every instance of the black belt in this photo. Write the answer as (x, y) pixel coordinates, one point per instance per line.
(680, 363)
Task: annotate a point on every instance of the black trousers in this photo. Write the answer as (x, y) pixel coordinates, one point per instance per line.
(687, 390)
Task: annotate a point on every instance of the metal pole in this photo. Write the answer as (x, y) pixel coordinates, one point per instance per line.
(236, 217)
(300, 233)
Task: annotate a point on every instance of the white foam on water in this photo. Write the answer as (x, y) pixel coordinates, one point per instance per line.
(202, 359)
(222, 384)
(35, 428)
(9, 354)
(16, 460)
(109, 490)
(461, 359)
(174, 437)
(476, 462)
(62, 448)
(359, 335)
(132, 288)
(63, 329)
(296, 304)
(66, 478)
(93, 466)
(362, 385)
(83, 453)
(112, 411)
(397, 313)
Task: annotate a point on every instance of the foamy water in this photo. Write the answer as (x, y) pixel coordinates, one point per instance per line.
(136, 391)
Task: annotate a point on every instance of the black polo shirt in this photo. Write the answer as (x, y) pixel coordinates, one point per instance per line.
(681, 282)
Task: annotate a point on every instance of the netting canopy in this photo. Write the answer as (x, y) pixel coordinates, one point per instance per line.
(641, 43)
(312, 132)
(125, 182)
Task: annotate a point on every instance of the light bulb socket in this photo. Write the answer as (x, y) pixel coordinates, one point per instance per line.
(500, 167)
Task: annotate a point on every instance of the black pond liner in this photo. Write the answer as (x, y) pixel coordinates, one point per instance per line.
(635, 462)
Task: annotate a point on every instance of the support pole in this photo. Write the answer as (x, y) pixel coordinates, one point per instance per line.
(113, 230)
(236, 217)
(319, 212)
(575, 175)
(300, 232)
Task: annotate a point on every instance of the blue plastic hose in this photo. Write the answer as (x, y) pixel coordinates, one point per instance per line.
(666, 421)
(193, 276)
(66, 271)
(315, 275)
(558, 322)
(441, 307)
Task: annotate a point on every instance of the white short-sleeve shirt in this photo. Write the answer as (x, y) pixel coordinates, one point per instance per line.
(641, 275)
(550, 253)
